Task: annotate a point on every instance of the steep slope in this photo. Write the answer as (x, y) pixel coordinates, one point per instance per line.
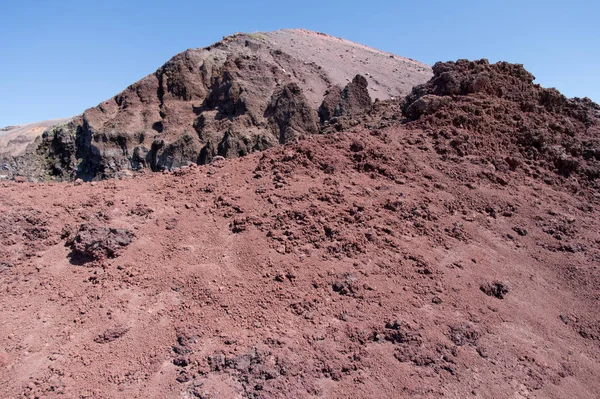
(243, 94)
(434, 256)
(389, 75)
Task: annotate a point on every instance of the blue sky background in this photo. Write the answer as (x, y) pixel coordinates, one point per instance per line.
(59, 57)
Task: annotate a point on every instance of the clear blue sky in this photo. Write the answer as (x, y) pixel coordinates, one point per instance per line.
(59, 57)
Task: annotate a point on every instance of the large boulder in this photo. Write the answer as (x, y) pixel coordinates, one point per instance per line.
(93, 242)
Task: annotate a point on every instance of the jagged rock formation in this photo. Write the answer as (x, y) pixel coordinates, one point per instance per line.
(243, 94)
(352, 100)
(291, 113)
(474, 108)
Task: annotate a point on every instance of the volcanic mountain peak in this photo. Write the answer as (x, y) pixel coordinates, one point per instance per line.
(220, 100)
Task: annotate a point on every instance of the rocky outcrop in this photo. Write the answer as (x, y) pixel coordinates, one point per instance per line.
(58, 150)
(290, 114)
(475, 108)
(351, 100)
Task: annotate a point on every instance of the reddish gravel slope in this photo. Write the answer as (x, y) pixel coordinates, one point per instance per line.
(349, 265)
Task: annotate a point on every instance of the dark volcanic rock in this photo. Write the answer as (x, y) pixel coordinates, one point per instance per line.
(111, 334)
(352, 100)
(58, 148)
(98, 242)
(496, 289)
(291, 113)
(426, 105)
(464, 334)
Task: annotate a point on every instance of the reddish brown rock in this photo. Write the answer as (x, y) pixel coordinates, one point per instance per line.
(343, 263)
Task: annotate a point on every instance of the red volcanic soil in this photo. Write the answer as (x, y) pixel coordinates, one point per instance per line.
(349, 265)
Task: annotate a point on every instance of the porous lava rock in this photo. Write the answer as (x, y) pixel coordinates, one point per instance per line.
(94, 242)
(496, 289)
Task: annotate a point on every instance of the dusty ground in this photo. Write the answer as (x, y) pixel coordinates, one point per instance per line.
(349, 265)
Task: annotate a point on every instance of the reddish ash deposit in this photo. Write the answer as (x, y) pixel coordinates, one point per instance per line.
(441, 256)
(345, 265)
